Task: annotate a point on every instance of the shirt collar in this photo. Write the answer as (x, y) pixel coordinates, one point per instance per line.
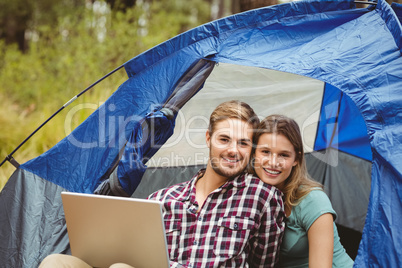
(240, 181)
(189, 190)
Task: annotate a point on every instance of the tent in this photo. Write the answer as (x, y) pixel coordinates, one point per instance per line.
(333, 67)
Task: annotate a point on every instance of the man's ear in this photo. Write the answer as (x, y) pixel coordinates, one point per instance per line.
(208, 138)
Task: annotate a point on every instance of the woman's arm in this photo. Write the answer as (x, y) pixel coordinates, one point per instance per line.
(321, 242)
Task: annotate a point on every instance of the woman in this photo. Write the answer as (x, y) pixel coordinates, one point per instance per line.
(311, 238)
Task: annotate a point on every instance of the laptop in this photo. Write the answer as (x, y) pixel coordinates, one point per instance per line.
(104, 230)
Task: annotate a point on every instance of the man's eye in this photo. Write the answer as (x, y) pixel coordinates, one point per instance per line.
(224, 140)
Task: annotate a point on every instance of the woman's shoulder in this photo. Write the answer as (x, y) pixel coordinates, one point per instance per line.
(315, 195)
(313, 205)
(314, 199)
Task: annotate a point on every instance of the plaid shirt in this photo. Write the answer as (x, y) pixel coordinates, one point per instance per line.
(240, 224)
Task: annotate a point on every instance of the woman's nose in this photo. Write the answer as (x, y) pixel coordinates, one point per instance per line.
(274, 161)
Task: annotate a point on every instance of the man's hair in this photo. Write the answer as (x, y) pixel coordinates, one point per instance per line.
(233, 109)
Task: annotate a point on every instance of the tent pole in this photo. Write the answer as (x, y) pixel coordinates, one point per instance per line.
(366, 2)
(10, 156)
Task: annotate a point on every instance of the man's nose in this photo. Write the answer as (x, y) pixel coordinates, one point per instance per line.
(233, 148)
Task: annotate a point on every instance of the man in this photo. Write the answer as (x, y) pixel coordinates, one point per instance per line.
(222, 217)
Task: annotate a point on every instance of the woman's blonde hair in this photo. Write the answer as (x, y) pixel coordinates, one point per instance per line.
(299, 183)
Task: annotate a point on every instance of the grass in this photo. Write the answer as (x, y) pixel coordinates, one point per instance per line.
(17, 122)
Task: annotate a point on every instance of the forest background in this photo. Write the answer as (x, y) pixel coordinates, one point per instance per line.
(50, 50)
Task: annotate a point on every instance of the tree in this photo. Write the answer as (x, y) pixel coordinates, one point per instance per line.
(14, 20)
(21, 19)
(221, 8)
(245, 5)
(120, 5)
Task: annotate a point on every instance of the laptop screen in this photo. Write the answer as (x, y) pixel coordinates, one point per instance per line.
(104, 230)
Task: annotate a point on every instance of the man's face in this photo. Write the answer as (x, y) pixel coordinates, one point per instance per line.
(230, 147)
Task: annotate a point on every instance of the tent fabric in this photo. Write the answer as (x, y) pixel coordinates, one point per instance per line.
(31, 219)
(151, 134)
(138, 147)
(398, 10)
(338, 107)
(158, 128)
(351, 210)
(355, 54)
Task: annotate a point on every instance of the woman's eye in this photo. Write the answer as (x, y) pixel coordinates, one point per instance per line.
(244, 143)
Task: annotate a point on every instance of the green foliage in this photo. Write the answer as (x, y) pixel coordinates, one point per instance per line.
(189, 16)
(69, 49)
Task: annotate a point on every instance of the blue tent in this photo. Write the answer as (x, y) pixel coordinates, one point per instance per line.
(333, 67)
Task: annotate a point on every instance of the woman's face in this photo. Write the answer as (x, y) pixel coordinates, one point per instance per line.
(275, 157)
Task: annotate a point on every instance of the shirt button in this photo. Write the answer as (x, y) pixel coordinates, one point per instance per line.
(192, 209)
(235, 226)
(195, 242)
(200, 218)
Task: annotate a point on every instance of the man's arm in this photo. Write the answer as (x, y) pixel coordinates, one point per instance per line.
(265, 249)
